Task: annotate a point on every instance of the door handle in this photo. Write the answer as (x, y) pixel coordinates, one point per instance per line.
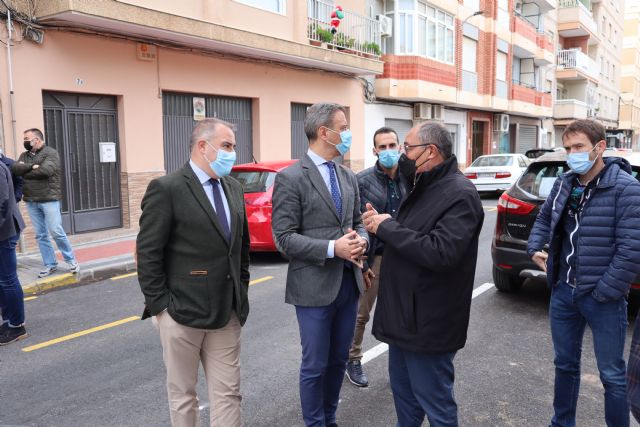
(72, 160)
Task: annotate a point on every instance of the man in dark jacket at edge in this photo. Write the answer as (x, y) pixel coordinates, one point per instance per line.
(384, 188)
(427, 277)
(17, 180)
(591, 221)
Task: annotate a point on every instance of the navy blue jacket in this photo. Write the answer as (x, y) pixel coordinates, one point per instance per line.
(608, 241)
(11, 222)
(17, 180)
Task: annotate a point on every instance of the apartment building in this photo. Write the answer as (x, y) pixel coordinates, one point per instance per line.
(484, 68)
(589, 63)
(118, 84)
(629, 124)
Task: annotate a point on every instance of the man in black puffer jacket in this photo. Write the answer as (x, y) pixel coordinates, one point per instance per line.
(39, 165)
(426, 278)
(384, 188)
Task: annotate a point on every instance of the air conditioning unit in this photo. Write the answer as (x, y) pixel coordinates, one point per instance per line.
(423, 111)
(501, 123)
(386, 25)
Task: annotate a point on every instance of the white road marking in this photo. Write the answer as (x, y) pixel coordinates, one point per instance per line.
(382, 348)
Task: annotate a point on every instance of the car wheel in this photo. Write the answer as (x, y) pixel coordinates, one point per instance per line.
(506, 282)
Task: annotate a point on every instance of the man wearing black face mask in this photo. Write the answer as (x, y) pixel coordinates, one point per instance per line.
(426, 278)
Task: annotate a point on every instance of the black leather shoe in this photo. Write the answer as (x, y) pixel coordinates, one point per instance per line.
(355, 374)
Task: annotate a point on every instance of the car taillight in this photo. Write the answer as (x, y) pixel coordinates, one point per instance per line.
(511, 205)
(503, 175)
(471, 175)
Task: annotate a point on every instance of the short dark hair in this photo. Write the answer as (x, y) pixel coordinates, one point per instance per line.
(318, 115)
(37, 132)
(382, 130)
(206, 129)
(438, 135)
(591, 128)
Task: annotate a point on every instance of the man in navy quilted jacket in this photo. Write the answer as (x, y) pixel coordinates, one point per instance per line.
(591, 221)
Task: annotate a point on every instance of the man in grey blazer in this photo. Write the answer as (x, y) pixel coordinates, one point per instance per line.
(316, 224)
(11, 295)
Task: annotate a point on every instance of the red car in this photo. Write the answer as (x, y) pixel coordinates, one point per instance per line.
(257, 180)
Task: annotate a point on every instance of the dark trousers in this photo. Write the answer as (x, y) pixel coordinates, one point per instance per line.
(11, 296)
(422, 384)
(325, 334)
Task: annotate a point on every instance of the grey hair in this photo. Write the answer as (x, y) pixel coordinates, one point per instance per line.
(438, 135)
(206, 129)
(319, 115)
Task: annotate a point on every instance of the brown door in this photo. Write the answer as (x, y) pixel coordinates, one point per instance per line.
(477, 139)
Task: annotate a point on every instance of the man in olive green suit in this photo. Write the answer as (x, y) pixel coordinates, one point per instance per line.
(193, 269)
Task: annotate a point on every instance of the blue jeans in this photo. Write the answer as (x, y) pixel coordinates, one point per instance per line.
(423, 384)
(46, 218)
(608, 322)
(11, 296)
(325, 334)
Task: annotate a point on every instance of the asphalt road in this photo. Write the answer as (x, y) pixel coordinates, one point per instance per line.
(111, 374)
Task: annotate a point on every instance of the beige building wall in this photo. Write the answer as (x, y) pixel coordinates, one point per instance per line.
(630, 76)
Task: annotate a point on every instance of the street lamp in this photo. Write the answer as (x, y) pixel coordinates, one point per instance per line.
(476, 13)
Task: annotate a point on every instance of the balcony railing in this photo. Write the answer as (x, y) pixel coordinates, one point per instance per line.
(570, 109)
(584, 4)
(356, 32)
(574, 59)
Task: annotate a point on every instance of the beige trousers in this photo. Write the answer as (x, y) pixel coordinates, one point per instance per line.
(183, 348)
(365, 304)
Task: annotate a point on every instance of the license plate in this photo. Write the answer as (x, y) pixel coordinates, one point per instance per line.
(486, 175)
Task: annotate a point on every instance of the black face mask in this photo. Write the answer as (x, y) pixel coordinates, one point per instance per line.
(407, 167)
(27, 145)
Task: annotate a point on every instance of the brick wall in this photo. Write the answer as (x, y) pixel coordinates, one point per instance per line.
(524, 28)
(418, 68)
(544, 42)
(524, 94)
(575, 42)
(133, 187)
(486, 63)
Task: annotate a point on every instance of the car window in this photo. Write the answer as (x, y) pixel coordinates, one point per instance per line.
(523, 164)
(539, 178)
(254, 181)
(493, 161)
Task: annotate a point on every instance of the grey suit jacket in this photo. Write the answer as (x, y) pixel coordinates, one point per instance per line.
(304, 220)
(11, 222)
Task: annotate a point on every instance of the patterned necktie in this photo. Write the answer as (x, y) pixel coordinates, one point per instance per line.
(220, 212)
(335, 192)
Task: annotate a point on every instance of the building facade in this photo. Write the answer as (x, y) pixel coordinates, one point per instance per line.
(589, 64)
(484, 68)
(629, 124)
(117, 86)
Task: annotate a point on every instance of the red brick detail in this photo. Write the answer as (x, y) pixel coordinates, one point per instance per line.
(490, 8)
(531, 96)
(581, 43)
(418, 68)
(545, 43)
(524, 28)
(486, 63)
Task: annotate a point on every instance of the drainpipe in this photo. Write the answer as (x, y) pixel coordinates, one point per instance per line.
(12, 99)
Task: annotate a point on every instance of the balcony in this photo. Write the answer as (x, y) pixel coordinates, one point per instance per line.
(230, 29)
(575, 65)
(576, 20)
(524, 36)
(356, 34)
(529, 101)
(570, 109)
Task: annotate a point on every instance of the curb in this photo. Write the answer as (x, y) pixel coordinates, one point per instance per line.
(86, 275)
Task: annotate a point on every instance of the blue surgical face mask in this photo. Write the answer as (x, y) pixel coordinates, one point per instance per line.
(580, 162)
(345, 144)
(389, 158)
(223, 163)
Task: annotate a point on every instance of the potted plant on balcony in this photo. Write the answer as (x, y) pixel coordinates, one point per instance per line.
(325, 36)
(344, 43)
(372, 47)
(312, 33)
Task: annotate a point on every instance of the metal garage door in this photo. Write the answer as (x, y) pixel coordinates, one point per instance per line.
(177, 122)
(299, 141)
(402, 127)
(527, 138)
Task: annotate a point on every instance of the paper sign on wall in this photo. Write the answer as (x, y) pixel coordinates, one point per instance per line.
(199, 108)
(107, 152)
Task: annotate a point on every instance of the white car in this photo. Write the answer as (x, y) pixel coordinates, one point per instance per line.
(496, 172)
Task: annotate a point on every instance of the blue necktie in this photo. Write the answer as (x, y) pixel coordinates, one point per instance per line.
(335, 191)
(220, 212)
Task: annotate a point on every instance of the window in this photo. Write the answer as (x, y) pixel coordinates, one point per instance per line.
(501, 66)
(433, 35)
(469, 49)
(277, 6)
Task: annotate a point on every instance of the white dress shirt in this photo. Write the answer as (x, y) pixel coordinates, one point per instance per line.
(208, 190)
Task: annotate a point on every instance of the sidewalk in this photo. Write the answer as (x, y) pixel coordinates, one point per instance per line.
(98, 259)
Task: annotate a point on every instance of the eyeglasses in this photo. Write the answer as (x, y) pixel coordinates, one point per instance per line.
(408, 147)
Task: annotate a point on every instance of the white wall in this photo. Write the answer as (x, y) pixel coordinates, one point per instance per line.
(453, 117)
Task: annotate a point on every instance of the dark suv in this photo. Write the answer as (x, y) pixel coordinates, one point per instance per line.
(517, 211)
